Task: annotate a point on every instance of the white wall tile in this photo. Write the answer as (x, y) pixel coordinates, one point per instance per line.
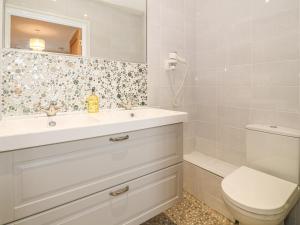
(288, 119)
(171, 27)
(244, 56)
(284, 73)
(235, 96)
(279, 48)
(207, 113)
(264, 8)
(236, 75)
(261, 116)
(247, 53)
(234, 117)
(285, 22)
(206, 95)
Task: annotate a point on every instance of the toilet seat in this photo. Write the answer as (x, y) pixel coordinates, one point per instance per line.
(257, 192)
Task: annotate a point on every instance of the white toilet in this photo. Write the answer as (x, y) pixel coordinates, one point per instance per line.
(266, 191)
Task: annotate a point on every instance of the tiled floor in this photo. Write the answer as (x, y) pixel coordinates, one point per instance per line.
(189, 211)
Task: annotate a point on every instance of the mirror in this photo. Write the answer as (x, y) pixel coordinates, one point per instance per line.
(109, 29)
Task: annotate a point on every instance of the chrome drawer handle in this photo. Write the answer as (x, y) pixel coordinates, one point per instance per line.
(119, 192)
(119, 139)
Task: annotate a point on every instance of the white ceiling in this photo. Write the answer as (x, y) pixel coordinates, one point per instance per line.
(138, 5)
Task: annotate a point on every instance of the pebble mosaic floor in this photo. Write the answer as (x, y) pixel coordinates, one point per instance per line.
(189, 211)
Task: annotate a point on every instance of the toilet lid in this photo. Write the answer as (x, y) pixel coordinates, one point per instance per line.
(257, 192)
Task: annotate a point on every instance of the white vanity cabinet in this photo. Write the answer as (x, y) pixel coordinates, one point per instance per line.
(117, 179)
(137, 200)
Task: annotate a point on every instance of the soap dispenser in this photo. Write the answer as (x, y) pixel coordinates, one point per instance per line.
(93, 102)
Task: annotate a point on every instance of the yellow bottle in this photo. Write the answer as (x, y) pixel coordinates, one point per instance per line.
(93, 102)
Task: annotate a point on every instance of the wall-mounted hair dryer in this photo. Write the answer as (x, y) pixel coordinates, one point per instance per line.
(170, 65)
(173, 60)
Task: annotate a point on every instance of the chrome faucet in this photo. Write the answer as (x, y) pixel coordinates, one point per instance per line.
(128, 104)
(51, 110)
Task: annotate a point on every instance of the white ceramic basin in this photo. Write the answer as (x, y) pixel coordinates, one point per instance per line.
(130, 115)
(42, 123)
(30, 131)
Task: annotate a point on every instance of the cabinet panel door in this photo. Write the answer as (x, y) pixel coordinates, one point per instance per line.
(6, 188)
(134, 202)
(49, 176)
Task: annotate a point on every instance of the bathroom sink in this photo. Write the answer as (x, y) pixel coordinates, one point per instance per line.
(72, 120)
(43, 123)
(129, 115)
(30, 131)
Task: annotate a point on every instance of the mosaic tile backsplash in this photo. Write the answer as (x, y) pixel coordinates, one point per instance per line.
(32, 78)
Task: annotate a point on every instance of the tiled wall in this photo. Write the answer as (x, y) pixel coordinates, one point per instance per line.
(247, 72)
(248, 68)
(205, 186)
(244, 68)
(32, 78)
(171, 27)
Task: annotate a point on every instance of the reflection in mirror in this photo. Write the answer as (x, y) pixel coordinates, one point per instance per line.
(38, 35)
(110, 29)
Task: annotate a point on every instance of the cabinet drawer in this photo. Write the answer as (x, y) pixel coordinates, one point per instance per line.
(134, 202)
(49, 176)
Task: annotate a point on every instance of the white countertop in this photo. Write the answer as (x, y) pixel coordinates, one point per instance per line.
(30, 131)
